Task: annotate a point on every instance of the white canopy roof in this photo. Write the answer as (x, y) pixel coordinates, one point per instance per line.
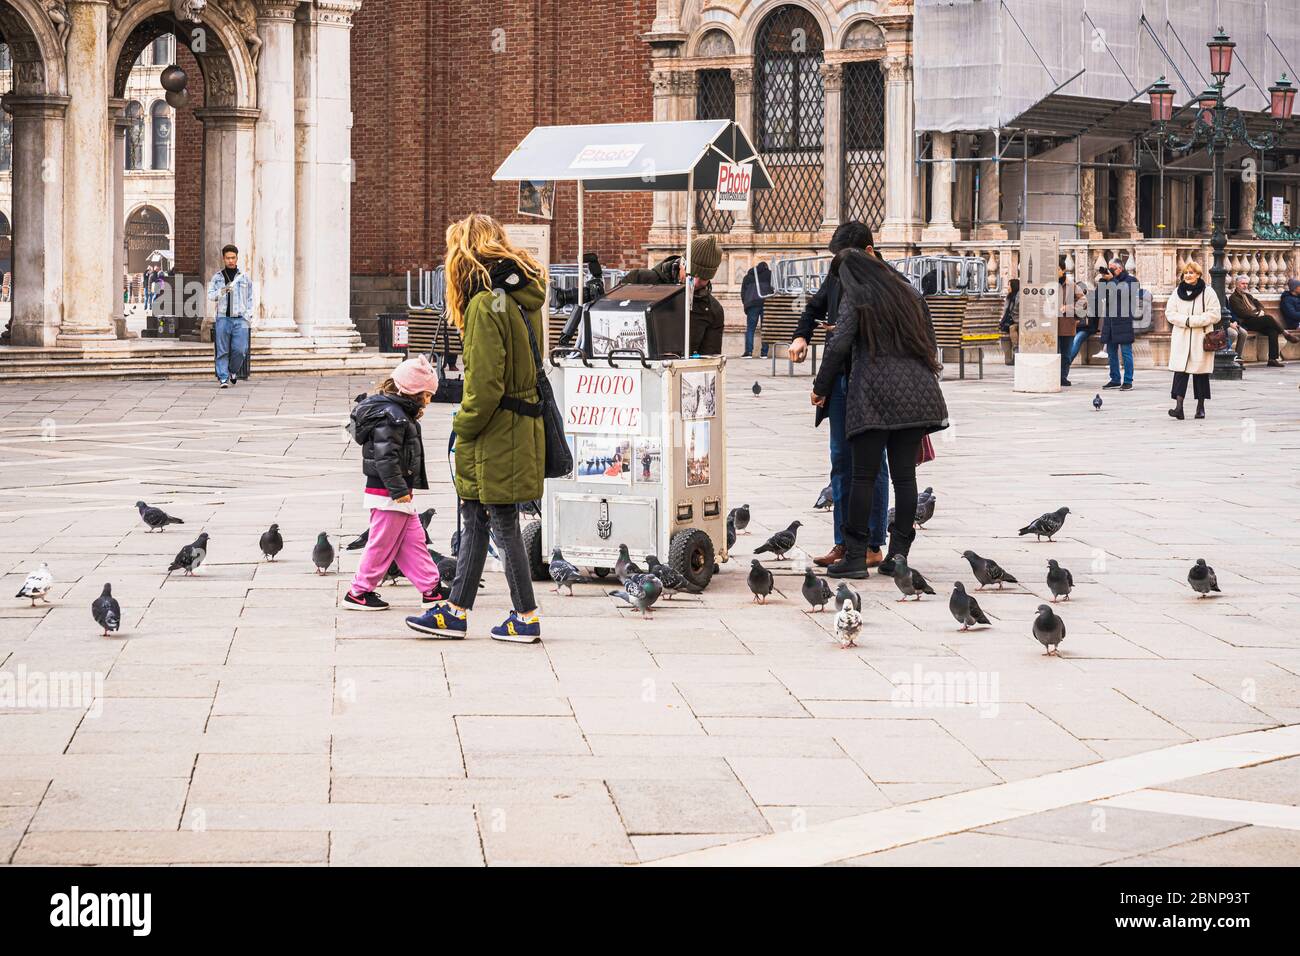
(642, 157)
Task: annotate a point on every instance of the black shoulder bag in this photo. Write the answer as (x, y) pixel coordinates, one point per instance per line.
(450, 390)
(559, 460)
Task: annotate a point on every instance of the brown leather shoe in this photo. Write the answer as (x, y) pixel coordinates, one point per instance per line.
(874, 557)
(830, 557)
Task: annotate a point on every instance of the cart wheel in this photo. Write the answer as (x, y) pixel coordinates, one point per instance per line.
(601, 572)
(537, 568)
(691, 553)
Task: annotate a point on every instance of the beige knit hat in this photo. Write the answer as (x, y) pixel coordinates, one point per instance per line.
(706, 256)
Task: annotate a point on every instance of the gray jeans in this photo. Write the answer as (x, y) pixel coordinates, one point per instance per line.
(504, 521)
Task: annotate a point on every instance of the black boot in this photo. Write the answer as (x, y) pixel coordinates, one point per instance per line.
(1177, 410)
(852, 565)
(900, 543)
(1200, 408)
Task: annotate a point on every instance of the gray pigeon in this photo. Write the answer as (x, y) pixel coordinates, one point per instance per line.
(322, 553)
(446, 567)
(760, 581)
(845, 593)
(191, 556)
(672, 579)
(848, 623)
(1059, 581)
(1096, 402)
(965, 609)
(1202, 578)
(825, 500)
(271, 542)
(740, 517)
(925, 503)
(155, 518)
(910, 582)
(987, 571)
(104, 609)
(561, 571)
(781, 542)
(625, 565)
(641, 591)
(361, 540)
(37, 585)
(815, 591)
(1044, 526)
(1049, 630)
(731, 531)
(756, 389)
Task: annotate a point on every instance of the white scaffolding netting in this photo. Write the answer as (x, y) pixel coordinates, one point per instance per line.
(981, 63)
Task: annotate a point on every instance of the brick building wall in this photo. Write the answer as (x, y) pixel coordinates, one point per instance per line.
(187, 160)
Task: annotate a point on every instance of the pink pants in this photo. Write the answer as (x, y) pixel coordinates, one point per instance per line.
(395, 537)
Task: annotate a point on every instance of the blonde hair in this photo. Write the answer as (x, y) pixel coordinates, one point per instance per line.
(1193, 266)
(471, 243)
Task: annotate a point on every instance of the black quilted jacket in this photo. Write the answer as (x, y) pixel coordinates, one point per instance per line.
(392, 449)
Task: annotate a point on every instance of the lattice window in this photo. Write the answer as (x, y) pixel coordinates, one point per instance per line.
(863, 132)
(789, 114)
(715, 98)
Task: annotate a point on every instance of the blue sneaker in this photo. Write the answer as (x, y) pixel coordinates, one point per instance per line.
(441, 621)
(515, 630)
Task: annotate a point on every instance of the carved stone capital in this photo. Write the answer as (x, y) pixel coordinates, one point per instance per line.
(898, 69)
(337, 11)
(272, 9)
(832, 77)
(743, 81)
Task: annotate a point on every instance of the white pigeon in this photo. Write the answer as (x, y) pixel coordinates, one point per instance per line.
(37, 585)
(848, 622)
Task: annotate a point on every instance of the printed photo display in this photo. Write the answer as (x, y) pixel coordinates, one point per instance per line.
(697, 454)
(613, 330)
(647, 461)
(573, 455)
(603, 458)
(536, 198)
(699, 394)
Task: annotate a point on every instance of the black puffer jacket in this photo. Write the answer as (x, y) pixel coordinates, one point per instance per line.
(392, 449)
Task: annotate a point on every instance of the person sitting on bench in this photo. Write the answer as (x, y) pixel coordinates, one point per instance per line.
(1248, 314)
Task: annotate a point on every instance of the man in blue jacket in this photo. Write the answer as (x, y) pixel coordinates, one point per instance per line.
(1290, 304)
(232, 290)
(1119, 304)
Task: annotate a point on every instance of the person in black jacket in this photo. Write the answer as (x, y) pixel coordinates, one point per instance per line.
(756, 284)
(707, 317)
(822, 308)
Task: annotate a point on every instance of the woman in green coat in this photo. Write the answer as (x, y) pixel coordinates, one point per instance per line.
(492, 289)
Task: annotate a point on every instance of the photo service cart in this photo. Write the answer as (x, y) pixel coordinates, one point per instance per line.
(647, 426)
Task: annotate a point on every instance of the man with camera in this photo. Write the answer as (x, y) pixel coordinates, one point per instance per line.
(232, 290)
(707, 317)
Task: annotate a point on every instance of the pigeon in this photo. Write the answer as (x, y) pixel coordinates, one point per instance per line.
(1201, 578)
(191, 556)
(987, 571)
(1096, 402)
(155, 518)
(1046, 525)
(781, 542)
(528, 508)
(1059, 580)
(889, 524)
(37, 585)
(846, 593)
(925, 503)
(105, 610)
(825, 500)
(1049, 630)
(848, 622)
(815, 591)
(322, 554)
(360, 541)
(446, 567)
(672, 579)
(965, 609)
(562, 572)
(741, 517)
(271, 542)
(625, 565)
(731, 532)
(425, 516)
(760, 581)
(756, 389)
(641, 591)
(910, 582)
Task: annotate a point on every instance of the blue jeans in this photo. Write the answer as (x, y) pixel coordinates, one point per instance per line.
(1079, 338)
(842, 474)
(1115, 352)
(752, 318)
(231, 338)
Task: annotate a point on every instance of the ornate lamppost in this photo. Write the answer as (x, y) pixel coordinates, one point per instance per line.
(1218, 127)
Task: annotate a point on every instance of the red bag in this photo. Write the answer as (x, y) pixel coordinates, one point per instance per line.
(926, 451)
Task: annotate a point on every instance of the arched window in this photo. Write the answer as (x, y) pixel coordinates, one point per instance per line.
(6, 58)
(145, 232)
(789, 112)
(715, 98)
(162, 50)
(134, 135)
(161, 120)
(862, 114)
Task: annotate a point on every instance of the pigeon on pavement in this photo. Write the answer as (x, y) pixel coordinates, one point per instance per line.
(987, 571)
(561, 571)
(760, 581)
(271, 542)
(845, 593)
(848, 623)
(1049, 630)
(1201, 578)
(910, 582)
(360, 541)
(446, 567)
(322, 553)
(641, 591)
(825, 500)
(741, 517)
(756, 388)
(731, 531)
(37, 585)
(155, 518)
(191, 556)
(781, 542)
(1044, 526)
(672, 579)
(625, 565)
(1096, 402)
(425, 517)
(925, 503)
(965, 609)
(815, 591)
(105, 610)
(1059, 580)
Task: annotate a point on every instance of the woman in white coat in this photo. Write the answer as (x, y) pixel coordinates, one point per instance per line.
(1192, 310)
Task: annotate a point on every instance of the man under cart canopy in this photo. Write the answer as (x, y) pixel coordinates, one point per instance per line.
(706, 311)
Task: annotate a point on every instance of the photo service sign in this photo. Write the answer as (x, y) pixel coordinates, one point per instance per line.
(735, 183)
(602, 400)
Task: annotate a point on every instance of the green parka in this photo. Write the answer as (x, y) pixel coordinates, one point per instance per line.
(500, 455)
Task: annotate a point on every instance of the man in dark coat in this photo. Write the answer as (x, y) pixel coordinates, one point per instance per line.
(1119, 304)
(824, 308)
(756, 284)
(707, 317)
(1249, 314)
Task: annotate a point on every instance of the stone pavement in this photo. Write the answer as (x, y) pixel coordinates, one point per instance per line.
(242, 717)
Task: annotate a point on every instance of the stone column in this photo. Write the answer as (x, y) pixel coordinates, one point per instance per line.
(1088, 204)
(902, 225)
(664, 107)
(228, 134)
(274, 223)
(990, 199)
(117, 110)
(963, 212)
(323, 258)
(1249, 198)
(87, 187)
(1128, 192)
(832, 143)
(1207, 206)
(941, 228)
(38, 225)
(742, 80)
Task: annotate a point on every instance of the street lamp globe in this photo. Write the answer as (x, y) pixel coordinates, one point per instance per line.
(1162, 101)
(1220, 56)
(1281, 99)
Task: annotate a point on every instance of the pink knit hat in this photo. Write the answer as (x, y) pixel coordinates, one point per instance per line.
(416, 375)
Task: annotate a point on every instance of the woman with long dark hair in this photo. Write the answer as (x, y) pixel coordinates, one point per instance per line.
(893, 397)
